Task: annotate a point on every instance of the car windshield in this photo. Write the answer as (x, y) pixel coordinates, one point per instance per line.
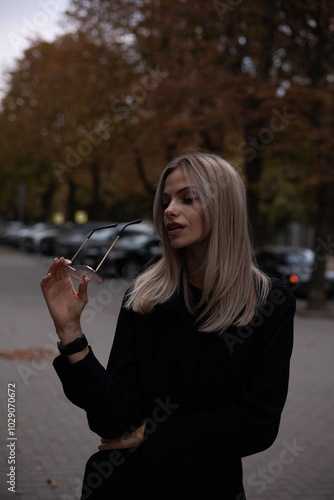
(133, 241)
(104, 234)
(298, 257)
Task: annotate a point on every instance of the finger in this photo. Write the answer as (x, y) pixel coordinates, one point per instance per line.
(120, 444)
(82, 291)
(59, 270)
(56, 263)
(65, 262)
(53, 267)
(50, 274)
(46, 280)
(105, 440)
(111, 444)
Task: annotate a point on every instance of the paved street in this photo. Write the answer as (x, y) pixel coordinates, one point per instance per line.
(53, 439)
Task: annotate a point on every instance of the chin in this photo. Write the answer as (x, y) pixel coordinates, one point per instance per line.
(177, 246)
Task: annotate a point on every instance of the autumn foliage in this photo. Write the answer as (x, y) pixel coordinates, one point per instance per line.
(90, 119)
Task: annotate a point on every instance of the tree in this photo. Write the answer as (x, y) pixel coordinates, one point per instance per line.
(58, 111)
(263, 69)
(307, 38)
(181, 97)
(247, 80)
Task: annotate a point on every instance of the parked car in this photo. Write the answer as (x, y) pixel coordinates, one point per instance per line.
(71, 238)
(29, 236)
(10, 232)
(294, 266)
(22, 232)
(45, 241)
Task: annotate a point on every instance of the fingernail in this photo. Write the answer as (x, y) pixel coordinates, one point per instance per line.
(68, 261)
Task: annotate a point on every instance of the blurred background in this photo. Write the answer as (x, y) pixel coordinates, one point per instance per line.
(96, 97)
(99, 95)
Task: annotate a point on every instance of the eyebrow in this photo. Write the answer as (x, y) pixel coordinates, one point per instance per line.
(179, 191)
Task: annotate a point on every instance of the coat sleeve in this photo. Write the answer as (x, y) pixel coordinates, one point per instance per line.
(194, 442)
(110, 398)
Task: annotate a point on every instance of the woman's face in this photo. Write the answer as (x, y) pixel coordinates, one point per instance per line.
(183, 211)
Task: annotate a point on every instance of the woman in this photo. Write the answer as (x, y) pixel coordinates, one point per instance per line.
(198, 372)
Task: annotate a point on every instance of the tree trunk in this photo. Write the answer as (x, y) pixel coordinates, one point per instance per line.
(253, 174)
(96, 206)
(323, 246)
(142, 174)
(251, 150)
(71, 203)
(47, 200)
(317, 297)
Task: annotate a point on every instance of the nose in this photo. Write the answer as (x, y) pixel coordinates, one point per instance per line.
(172, 208)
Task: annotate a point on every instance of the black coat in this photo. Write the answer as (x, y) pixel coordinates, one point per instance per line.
(208, 400)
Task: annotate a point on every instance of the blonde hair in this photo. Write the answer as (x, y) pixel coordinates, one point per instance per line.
(233, 285)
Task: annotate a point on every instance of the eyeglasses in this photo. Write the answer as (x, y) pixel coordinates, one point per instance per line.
(83, 271)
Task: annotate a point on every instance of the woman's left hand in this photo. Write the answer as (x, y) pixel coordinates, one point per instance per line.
(132, 440)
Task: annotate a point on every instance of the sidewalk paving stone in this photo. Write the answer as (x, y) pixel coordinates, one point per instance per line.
(53, 438)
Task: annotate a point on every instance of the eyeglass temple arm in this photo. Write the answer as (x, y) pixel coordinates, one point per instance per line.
(90, 234)
(115, 241)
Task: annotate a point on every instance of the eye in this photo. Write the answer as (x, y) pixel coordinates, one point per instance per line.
(164, 205)
(190, 200)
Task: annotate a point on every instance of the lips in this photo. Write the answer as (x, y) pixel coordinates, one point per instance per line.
(174, 228)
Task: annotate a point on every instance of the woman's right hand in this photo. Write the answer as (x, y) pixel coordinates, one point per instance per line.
(64, 303)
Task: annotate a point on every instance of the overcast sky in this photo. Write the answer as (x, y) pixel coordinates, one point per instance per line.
(21, 19)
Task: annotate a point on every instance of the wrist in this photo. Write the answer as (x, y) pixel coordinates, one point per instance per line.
(69, 333)
(77, 345)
